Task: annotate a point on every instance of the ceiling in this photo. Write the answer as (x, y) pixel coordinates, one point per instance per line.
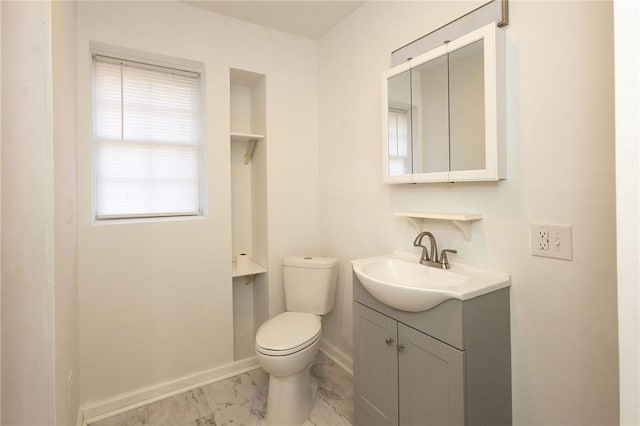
(308, 19)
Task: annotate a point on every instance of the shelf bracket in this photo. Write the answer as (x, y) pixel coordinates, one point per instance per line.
(459, 220)
(464, 227)
(417, 222)
(250, 147)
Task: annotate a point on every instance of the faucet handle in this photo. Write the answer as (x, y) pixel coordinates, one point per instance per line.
(444, 260)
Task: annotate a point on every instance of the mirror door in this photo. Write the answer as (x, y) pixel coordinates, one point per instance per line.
(467, 107)
(399, 125)
(429, 83)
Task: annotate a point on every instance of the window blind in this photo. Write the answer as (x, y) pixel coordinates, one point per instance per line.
(398, 127)
(147, 127)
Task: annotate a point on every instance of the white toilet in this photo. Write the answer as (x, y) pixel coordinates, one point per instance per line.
(286, 345)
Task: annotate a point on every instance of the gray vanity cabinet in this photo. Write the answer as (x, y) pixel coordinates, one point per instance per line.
(403, 376)
(376, 387)
(431, 380)
(450, 365)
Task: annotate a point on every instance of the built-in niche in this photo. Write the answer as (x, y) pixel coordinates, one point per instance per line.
(248, 207)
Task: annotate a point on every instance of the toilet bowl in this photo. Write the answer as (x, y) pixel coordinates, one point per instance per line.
(286, 347)
(287, 344)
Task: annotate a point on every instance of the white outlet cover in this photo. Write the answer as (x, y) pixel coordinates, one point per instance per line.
(560, 242)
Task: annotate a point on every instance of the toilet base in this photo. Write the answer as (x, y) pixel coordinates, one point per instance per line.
(290, 399)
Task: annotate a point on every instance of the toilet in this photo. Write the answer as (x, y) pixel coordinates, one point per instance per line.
(287, 344)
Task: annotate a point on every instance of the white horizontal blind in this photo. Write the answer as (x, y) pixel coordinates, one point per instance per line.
(399, 156)
(147, 126)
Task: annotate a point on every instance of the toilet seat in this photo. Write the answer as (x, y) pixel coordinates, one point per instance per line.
(288, 333)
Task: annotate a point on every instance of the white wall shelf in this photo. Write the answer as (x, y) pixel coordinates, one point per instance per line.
(253, 269)
(462, 221)
(247, 137)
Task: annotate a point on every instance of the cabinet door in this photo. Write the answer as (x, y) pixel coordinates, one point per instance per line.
(431, 380)
(375, 368)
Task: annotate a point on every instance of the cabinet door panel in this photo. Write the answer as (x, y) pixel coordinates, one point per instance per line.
(375, 368)
(431, 381)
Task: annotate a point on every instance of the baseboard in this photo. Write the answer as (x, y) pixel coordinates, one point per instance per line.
(119, 404)
(80, 418)
(337, 356)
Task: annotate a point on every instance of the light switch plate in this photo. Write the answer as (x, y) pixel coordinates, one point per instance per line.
(552, 241)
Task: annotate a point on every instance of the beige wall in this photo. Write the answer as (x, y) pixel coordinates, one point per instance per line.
(146, 319)
(560, 169)
(27, 216)
(63, 16)
(627, 47)
(156, 297)
(0, 212)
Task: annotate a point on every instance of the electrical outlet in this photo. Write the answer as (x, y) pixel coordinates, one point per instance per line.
(552, 241)
(539, 239)
(543, 244)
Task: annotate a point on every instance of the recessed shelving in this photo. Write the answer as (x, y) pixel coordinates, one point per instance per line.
(248, 171)
(253, 269)
(462, 221)
(247, 137)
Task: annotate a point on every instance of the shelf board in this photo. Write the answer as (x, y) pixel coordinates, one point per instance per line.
(251, 139)
(253, 269)
(245, 137)
(462, 221)
(462, 217)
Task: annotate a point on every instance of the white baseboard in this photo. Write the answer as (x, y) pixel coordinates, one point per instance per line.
(337, 356)
(99, 410)
(119, 404)
(80, 418)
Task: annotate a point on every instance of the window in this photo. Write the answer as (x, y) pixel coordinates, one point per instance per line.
(147, 132)
(399, 136)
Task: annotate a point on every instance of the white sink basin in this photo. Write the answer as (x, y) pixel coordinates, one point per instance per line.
(403, 283)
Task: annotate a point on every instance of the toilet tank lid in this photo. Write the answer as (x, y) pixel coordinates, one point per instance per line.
(310, 262)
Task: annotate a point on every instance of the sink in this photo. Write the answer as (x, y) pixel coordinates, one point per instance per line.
(401, 282)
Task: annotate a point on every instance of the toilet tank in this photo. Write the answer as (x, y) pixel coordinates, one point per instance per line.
(310, 283)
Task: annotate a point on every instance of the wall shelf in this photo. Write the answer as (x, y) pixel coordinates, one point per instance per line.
(247, 137)
(462, 221)
(253, 269)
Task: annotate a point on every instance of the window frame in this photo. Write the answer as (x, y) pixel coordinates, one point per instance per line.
(150, 61)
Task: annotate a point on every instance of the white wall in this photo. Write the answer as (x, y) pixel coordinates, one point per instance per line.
(155, 298)
(27, 216)
(63, 16)
(0, 212)
(627, 47)
(560, 139)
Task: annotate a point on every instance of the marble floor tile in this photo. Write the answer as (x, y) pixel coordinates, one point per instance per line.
(242, 400)
(179, 409)
(325, 414)
(135, 417)
(335, 387)
(203, 421)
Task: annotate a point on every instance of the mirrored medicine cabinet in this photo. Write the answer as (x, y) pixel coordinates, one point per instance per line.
(443, 113)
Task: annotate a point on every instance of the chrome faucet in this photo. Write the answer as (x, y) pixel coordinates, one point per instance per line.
(430, 257)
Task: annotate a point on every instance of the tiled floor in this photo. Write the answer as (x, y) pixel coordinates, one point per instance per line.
(242, 400)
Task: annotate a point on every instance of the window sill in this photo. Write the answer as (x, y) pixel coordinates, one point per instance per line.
(139, 220)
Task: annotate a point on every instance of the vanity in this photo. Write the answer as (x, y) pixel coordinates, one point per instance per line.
(431, 347)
